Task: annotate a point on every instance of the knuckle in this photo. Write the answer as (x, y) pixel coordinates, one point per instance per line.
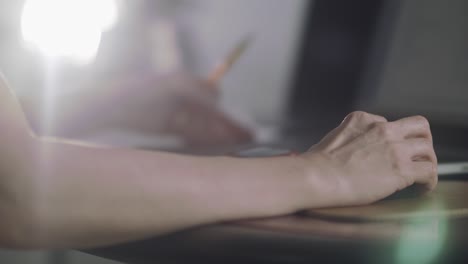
(422, 120)
(358, 115)
(428, 148)
(383, 130)
(381, 119)
(361, 118)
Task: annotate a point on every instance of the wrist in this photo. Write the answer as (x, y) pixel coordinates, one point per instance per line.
(324, 186)
(245, 188)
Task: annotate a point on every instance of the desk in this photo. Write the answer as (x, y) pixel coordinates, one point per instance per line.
(304, 239)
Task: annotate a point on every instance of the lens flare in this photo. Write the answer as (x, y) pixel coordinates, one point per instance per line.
(67, 28)
(422, 240)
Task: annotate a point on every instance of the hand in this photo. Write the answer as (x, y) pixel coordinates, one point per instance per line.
(176, 104)
(366, 158)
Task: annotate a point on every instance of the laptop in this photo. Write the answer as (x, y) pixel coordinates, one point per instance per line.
(394, 58)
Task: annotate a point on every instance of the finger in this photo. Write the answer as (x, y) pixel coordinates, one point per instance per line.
(210, 87)
(212, 126)
(419, 162)
(424, 173)
(222, 127)
(189, 85)
(420, 149)
(411, 127)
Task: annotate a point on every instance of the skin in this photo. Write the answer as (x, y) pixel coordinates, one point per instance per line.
(57, 194)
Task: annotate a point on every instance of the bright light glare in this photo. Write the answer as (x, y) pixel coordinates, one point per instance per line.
(423, 240)
(67, 28)
(105, 13)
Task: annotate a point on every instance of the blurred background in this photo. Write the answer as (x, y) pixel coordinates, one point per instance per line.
(113, 72)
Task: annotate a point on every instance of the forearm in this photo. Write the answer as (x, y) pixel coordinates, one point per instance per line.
(84, 196)
(61, 195)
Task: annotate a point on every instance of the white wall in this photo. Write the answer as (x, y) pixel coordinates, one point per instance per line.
(260, 81)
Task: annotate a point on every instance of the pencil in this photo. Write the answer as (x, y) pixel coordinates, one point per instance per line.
(221, 69)
(453, 168)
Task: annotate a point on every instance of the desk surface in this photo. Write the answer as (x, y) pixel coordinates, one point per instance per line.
(302, 239)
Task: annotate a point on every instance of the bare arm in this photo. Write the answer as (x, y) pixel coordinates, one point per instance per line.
(60, 195)
(57, 194)
(85, 196)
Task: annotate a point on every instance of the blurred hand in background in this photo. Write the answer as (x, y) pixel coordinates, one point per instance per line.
(176, 104)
